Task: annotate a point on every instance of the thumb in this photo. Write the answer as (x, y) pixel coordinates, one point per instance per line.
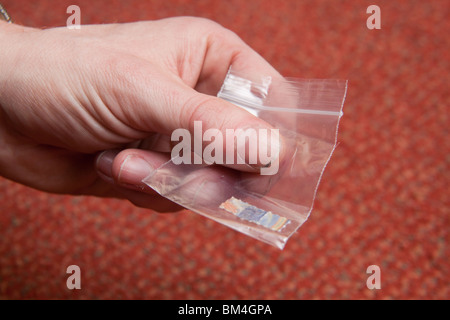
(172, 108)
(226, 134)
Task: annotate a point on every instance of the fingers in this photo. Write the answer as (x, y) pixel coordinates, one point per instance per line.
(231, 136)
(129, 167)
(133, 171)
(149, 98)
(126, 169)
(175, 106)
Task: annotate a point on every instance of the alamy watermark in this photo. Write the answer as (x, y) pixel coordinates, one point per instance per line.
(74, 20)
(74, 280)
(374, 280)
(257, 147)
(374, 20)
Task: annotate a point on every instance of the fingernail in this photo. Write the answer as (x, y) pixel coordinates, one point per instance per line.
(133, 170)
(105, 161)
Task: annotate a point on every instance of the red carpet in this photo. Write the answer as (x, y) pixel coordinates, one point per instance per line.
(383, 200)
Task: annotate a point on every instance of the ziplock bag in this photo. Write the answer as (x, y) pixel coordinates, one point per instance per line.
(268, 207)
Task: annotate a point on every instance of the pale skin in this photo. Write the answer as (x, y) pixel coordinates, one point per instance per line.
(90, 111)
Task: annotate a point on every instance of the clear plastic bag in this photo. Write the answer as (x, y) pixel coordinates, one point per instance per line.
(269, 207)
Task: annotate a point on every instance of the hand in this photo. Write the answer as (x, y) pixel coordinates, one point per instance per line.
(77, 107)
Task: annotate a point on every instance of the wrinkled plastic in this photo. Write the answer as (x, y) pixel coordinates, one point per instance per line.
(269, 208)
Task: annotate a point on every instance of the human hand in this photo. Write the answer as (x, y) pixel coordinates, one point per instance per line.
(66, 96)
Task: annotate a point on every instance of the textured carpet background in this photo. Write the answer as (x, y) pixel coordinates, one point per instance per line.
(383, 200)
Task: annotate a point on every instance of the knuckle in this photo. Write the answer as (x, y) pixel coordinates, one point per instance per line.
(213, 30)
